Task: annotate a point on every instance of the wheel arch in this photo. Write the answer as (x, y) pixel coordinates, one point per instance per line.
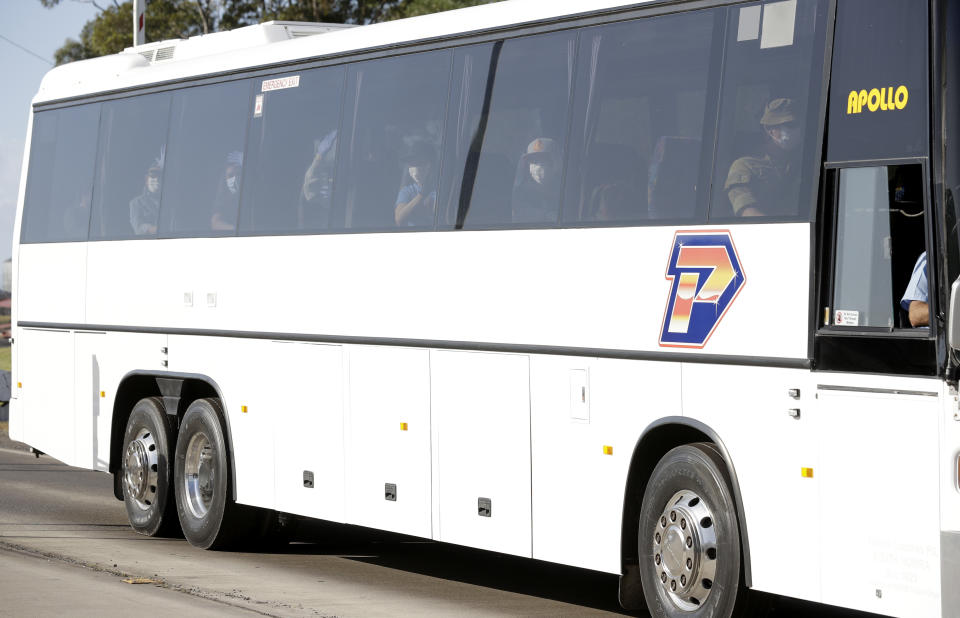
(139, 384)
(657, 439)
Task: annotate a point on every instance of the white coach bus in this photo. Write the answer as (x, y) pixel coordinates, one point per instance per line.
(660, 289)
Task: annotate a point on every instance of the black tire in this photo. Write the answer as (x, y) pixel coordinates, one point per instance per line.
(146, 469)
(203, 487)
(703, 557)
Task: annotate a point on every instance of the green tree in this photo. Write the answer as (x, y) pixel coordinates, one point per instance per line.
(111, 31)
(412, 8)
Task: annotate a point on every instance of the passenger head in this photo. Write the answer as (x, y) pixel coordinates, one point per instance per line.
(540, 160)
(780, 123)
(419, 162)
(153, 178)
(233, 168)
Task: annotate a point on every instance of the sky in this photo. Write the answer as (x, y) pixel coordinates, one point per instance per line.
(41, 31)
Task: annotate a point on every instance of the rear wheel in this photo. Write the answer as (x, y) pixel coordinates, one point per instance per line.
(147, 470)
(689, 538)
(208, 516)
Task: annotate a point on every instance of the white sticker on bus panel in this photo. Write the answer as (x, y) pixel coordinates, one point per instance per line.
(846, 317)
(280, 83)
(749, 27)
(779, 19)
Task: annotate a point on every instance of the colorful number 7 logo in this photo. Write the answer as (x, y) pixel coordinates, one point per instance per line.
(706, 275)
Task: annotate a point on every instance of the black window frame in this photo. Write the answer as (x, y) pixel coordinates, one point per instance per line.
(872, 348)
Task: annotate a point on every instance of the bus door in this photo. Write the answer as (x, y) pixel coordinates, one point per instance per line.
(877, 408)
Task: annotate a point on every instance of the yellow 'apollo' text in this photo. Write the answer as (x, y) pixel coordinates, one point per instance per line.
(883, 99)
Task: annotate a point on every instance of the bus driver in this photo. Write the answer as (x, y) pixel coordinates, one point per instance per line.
(768, 184)
(915, 298)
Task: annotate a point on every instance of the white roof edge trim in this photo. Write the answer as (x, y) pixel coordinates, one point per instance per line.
(250, 46)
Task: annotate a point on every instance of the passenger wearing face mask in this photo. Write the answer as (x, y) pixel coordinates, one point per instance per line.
(536, 190)
(417, 198)
(145, 208)
(768, 184)
(227, 201)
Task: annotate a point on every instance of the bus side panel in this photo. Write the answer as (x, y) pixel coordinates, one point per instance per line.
(55, 289)
(749, 409)
(283, 403)
(388, 440)
(949, 503)
(579, 407)
(307, 406)
(240, 370)
(101, 362)
(481, 407)
(879, 488)
(47, 392)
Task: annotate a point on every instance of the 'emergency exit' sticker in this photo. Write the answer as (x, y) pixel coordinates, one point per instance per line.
(280, 83)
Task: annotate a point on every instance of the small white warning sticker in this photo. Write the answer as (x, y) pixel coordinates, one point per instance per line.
(846, 317)
(258, 106)
(280, 83)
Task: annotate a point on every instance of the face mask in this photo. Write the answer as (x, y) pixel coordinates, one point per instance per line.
(232, 184)
(153, 184)
(786, 137)
(538, 172)
(417, 174)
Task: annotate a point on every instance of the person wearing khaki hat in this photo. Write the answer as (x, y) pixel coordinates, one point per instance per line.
(767, 184)
(536, 187)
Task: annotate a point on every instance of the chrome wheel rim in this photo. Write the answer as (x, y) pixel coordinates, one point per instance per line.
(140, 464)
(199, 475)
(685, 550)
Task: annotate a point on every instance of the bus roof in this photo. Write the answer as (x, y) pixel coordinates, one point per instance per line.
(281, 42)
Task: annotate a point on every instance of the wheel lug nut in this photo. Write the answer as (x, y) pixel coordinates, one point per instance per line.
(689, 542)
(657, 537)
(657, 559)
(673, 516)
(683, 524)
(673, 585)
(663, 577)
(663, 521)
(683, 580)
(689, 562)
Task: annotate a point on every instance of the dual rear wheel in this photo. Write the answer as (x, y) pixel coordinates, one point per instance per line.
(180, 479)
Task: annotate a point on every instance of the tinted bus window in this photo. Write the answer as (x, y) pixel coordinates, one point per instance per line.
(129, 179)
(517, 179)
(204, 160)
(767, 151)
(637, 147)
(62, 152)
(393, 123)
(291, 152)
(880, 247)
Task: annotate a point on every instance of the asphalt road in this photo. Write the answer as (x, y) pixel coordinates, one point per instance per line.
(65, 548)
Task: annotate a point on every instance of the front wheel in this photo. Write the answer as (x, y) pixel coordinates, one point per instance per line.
(208, 515)
(689, 538)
